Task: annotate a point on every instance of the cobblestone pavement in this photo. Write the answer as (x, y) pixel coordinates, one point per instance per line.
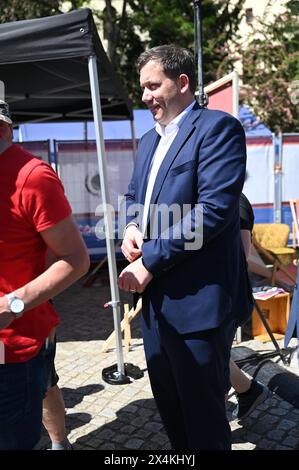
(119, 417)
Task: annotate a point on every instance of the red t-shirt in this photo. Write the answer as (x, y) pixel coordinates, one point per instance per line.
(31, 200)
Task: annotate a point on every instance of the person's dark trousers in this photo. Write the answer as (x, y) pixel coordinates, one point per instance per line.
(187, 375)
(21, 394)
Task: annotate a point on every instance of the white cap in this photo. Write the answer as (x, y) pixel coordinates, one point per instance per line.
(4, 112)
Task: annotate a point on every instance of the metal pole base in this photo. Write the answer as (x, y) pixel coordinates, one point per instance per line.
(112, 376)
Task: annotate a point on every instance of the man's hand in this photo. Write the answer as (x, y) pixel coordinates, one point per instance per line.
(132, 242)
(6, 317)
(135, 277)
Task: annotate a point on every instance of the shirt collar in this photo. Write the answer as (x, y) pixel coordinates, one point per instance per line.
(174, 125)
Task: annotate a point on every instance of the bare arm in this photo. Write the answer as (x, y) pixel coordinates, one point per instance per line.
(72, 262)
(246, 240)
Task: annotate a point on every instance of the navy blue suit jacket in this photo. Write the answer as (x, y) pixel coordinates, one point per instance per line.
(196, 289)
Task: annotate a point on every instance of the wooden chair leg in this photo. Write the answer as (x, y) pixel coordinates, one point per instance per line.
(127, 329)
(294, 235)
(131, 314)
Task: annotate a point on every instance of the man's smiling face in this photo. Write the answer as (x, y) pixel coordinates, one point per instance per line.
(161, 94)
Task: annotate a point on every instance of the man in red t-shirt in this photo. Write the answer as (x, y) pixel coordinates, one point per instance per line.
(35, 216)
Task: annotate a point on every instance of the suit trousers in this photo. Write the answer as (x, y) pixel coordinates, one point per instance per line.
(188, 375)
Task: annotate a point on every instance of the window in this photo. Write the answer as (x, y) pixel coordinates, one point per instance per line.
(249, 15)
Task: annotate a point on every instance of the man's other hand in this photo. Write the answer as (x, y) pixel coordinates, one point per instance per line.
(135, 277)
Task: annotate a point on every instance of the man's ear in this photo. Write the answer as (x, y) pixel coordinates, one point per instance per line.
(184, 82)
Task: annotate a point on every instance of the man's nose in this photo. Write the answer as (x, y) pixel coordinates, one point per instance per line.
(146, 96)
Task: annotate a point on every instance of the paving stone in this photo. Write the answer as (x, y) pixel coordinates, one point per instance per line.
(268, 421)
(105, 434)
(117, 417)
(278, 411)
(94, 443)
(107, 446)
(263, 406)
(272, 419)
(142, 433)
(276, 434)
(99, 420)
(120, 438)
(145, 412)
(108, 413)
(126, 417)
(286, 405)
(132, 409)
(255, 413)
(139, 421)
(149, 445)
(266, 444)
(115, 405)
(153, 426)
(128, 429)
(134, 444)
(252, 436)
(295, 432)
(286, 424)
(159, 437)
(290, 441)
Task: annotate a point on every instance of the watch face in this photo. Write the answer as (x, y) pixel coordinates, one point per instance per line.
(17, 306)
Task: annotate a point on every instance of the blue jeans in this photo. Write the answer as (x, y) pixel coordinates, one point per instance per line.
(22, 388)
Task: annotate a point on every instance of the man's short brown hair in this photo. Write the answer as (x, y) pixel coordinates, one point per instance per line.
(175, 60)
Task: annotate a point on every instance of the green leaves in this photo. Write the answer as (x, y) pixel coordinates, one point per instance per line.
(270, 58)
(271, 69)
(27, 9)
(148, 23)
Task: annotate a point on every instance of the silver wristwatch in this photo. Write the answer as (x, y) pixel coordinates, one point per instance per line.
(15, 305)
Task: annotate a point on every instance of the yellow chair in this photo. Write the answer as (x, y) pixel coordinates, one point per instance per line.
(270, 242)
(274, 238)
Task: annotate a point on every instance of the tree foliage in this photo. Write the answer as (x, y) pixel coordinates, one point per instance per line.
(148, 23)
(270, 59)
(271, 70)
(14, 10)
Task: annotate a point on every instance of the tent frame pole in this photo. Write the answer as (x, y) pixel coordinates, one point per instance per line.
(115, 303)
(203, 98)
(133, 134)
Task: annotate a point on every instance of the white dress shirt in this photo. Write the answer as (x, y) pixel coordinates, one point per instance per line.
(168, 134)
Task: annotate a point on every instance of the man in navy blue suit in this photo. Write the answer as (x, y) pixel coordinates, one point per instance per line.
(185, 250)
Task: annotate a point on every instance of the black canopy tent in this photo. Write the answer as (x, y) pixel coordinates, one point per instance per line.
(54, 69)
(44, 66)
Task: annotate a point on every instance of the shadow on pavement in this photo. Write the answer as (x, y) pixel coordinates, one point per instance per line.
(83, 316)
(73, 396)
(137, 427)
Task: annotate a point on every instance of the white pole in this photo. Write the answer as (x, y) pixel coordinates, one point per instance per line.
(277, 148)
(132, 123)
(97, 114)
(235, 95)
